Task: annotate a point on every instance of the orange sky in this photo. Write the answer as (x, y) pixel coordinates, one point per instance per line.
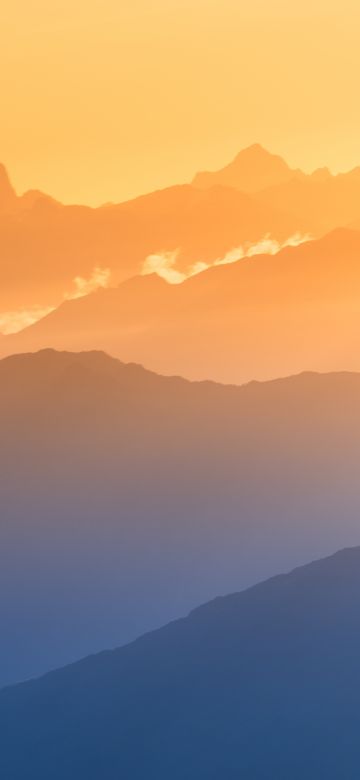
(104, 99)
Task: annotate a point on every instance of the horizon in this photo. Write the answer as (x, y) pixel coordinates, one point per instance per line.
(118, 110)
(170, 184)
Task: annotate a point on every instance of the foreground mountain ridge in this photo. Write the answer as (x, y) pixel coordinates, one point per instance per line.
(200, 697)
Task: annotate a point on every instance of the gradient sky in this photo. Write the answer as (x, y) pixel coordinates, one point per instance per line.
(105, 99)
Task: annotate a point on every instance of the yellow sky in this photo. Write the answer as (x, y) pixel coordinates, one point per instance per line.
(104, 99)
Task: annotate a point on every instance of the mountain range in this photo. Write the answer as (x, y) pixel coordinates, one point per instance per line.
(260, 684)
(253, 170)
(258, 318)
(45, 245)
(127, 497)
(320, 200)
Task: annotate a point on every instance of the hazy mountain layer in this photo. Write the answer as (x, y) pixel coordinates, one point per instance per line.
(126, 497)
(45, 245)
(259, 318)
(320, 200)
(252, 170)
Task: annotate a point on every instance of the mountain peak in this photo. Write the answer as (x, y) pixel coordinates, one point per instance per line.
(253, 169)
(255, 150)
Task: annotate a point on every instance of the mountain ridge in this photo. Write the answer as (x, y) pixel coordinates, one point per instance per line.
(209, 680)
(251, 170)
(272, 468)
(197, 224)
(216, 603)
(305, 293)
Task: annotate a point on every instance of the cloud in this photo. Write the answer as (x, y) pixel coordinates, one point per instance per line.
(266, 246)
(14, 321)
(164, 263)
(100, 277)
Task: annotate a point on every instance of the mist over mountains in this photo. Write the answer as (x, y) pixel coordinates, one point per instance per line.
(127, 498)
(258, 318)
(45, 245)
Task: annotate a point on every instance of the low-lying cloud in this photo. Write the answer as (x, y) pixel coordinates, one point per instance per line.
(164, 263)
(100, 277)
(14, 321)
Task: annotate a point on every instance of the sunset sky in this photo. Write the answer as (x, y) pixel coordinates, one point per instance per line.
(102, 100)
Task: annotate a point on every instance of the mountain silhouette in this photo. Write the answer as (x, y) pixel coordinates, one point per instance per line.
(45, 245)
(259, 318)
(127, 497)
(262, 683)
(252, 170)
(320, 202)
(256, 195)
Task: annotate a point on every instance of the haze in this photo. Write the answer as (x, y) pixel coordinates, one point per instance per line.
(104, 100)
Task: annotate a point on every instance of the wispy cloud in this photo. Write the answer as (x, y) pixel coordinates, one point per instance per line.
(14, 321)
(266, 246)
(164, 263)
(100, 277)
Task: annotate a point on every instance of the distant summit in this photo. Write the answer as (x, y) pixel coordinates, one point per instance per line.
(253, 169)
(320, 200)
